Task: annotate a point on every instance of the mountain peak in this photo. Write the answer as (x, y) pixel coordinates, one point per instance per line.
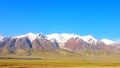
(1, 38)
(89, 38)
(107, 42)
(30, 36)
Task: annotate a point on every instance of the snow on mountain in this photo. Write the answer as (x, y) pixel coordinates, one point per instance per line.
(61, 38)
(1, 38)
(68, 36)
(30, 36)
(56, 37)
(84, 45)
(107, 42)
(89, 39)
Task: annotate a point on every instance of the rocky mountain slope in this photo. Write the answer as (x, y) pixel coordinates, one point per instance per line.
(33, 44)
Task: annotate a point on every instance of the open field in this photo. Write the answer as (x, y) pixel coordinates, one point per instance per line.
(18, 63)
(58, 67)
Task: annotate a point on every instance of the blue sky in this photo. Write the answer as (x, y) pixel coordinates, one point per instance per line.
(100, 18)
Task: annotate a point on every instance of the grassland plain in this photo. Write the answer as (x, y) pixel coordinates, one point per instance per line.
(15, 63)
(60, 62)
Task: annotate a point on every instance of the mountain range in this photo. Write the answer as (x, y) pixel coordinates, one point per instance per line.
(57, 44)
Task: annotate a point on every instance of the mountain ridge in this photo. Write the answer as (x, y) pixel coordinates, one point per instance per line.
(31, 43)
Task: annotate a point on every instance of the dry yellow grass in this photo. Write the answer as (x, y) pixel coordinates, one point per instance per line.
(88, 62)
(59, 67)
(7, 63)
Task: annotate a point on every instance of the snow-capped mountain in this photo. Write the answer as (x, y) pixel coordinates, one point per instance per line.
(26, 44)
(1, 38)
(31, 42)
(108, 42)
(81, 44)
(61, 38)
(64, 37)
(89, 39)
(31, 36)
